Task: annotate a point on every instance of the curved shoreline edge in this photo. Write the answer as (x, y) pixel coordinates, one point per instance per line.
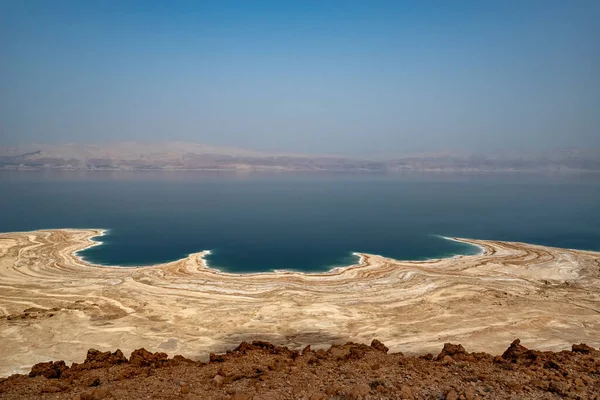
(203, 253)
(53, 305)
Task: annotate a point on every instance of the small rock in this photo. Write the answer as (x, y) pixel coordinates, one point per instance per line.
(93, 382)
(470, 393)
(451, 350)
(185, 388)
(331, 390)
(452, 395)
(100, 394)
(143, 358)
(214, 358)
(218, 380)
(447, 360)
(359, 391)
(406, 393)
(377, 345)
(582, 348)
(514, 351)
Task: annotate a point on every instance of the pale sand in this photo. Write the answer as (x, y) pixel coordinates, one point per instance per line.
(548, 297)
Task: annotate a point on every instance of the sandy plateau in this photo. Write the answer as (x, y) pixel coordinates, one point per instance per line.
(54, 306)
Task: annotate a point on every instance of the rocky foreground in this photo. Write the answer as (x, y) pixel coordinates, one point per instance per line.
(351, 371)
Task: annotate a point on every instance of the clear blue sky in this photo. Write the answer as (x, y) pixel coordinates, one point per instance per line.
(305, 76)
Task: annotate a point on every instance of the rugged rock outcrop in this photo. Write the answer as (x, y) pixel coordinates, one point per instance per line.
(261, 370)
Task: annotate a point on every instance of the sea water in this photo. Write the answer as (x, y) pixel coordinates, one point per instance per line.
(305, 222)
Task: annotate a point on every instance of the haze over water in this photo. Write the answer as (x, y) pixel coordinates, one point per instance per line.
(304, 222)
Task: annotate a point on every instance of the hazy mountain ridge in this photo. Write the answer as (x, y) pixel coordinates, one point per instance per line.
(194, 156)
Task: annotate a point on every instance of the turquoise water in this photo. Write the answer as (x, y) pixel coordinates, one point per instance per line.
(299, 222)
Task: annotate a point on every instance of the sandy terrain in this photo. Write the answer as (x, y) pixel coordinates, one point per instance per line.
(55, 307)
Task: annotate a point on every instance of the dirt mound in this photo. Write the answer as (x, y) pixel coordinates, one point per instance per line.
(261, 370)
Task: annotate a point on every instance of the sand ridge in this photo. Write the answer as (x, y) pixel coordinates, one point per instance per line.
(53, 305)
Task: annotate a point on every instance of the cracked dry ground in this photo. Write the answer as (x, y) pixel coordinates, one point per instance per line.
(352, 371)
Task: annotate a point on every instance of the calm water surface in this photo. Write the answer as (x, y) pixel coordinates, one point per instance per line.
(299, 222)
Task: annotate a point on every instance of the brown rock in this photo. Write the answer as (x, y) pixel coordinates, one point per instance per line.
(331, 390)
(50, 369)
(377, 345)
(306, 350)
(99, 394)
(185, 389)
(180, 360)
(263, 345)
(218, 380)
(582, 348)
(406, 393)
(452, 395)
(357, 352)
(451, 350)
(317, 396)
(447, 360)
(244, 347)
(514, 351)
(143, 358)
(92, 381)
(359, 391)
(107, 358)
(560, 388)
(470, 393)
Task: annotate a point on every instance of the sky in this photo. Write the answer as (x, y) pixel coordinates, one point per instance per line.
(303, 76)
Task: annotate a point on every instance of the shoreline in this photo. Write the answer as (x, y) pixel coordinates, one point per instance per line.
(464, 241)
(93, 243)
(203, 253)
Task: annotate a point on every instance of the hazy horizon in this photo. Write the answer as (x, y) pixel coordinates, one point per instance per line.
(303, 77)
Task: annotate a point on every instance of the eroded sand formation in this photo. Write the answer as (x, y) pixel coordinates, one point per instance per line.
(55, 306)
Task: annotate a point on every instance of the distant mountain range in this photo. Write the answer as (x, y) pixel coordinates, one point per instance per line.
(193, 156)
